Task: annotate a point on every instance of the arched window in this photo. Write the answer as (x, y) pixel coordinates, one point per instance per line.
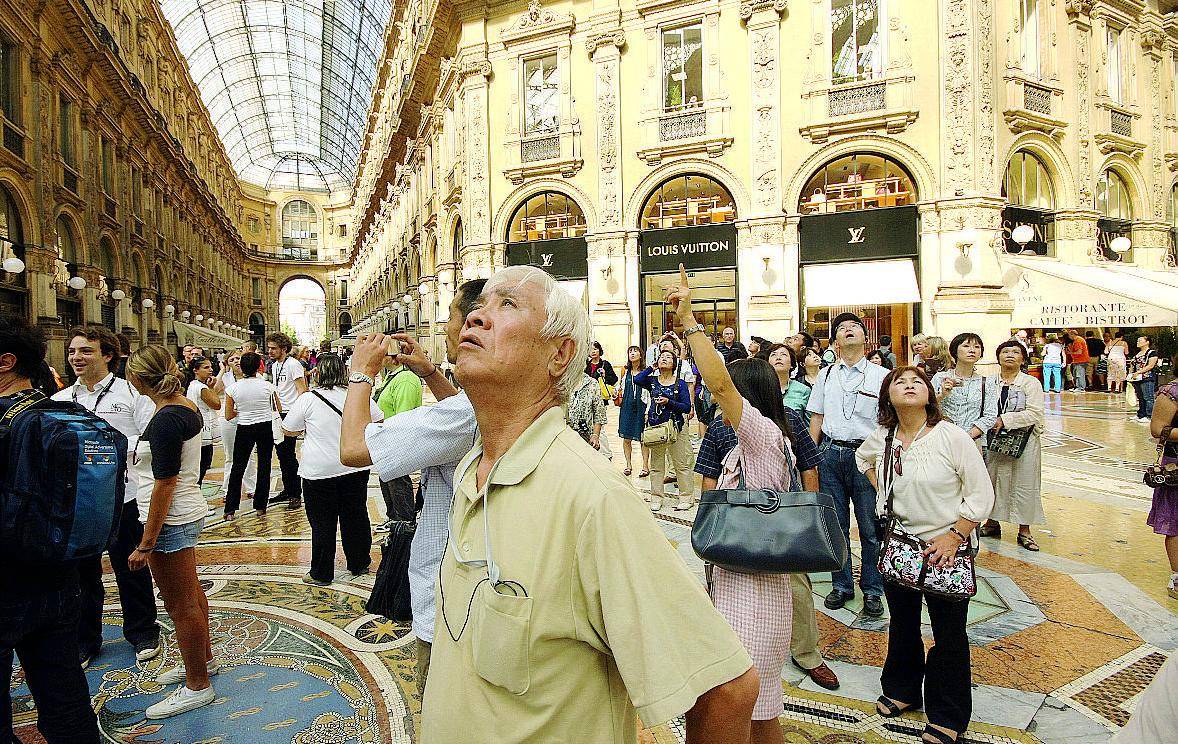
(688, 201)
(11, 228)
(106, 258)
(457, 252)
(66, 244)
(300, 230)
(1026, 182)
(547, 216)
(1112, 196)
(862, 180)
(345, 323)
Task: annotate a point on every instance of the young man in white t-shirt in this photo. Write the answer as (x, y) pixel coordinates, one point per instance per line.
(288, 376)
(93, 353)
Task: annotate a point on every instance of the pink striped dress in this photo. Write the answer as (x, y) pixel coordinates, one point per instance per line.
(759, 607)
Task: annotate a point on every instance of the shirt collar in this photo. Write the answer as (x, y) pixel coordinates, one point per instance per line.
(81, 387)
(524, 455)
(860, 365)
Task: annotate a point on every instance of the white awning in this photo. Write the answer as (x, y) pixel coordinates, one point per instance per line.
(861, 283)
(1052, 294)
(194, 335)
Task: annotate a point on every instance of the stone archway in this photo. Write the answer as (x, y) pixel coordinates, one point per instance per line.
(302, 308)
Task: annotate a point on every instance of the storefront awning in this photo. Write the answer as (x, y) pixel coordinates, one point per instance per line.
(861, 283)
(1052, 294)
(194, 335)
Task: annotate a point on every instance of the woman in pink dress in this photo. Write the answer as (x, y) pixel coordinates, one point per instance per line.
(757, 606)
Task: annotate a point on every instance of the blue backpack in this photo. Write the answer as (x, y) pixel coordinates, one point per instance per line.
(62, 480)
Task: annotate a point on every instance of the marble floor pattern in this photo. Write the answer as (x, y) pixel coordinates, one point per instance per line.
(1063, 641)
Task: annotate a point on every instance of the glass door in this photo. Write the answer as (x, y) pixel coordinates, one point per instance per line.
(713, 299)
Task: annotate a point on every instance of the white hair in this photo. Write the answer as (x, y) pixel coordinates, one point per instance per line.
(565, 318)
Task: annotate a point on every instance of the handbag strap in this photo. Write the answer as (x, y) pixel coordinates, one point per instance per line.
(328, 402)
(888, 472)
(1163, 440)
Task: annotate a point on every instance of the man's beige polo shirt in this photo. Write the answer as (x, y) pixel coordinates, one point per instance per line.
(612, 619)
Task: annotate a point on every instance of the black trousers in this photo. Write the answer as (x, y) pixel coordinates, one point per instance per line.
(43, 629)
(945, 674)
(136, 595)
(398, 499)
(259, 435)
(341, 500)
(289, 465)
(206, 462)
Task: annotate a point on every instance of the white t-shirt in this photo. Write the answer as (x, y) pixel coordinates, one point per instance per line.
(118, 403)
(320, 455)
(285, 373)
(188, 504)
(252, 398)
(1053, 354)
(207, 414)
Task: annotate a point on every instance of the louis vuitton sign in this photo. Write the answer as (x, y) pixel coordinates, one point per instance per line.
(703, 247)
(564, 258)
(861, 235)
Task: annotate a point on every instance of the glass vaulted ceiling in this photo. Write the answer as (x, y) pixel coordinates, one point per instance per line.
(288, 82)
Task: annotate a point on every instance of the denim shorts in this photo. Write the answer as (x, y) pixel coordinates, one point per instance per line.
(176, 537)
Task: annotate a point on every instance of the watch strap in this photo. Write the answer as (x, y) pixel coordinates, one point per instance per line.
(360, 377)
(697, 328)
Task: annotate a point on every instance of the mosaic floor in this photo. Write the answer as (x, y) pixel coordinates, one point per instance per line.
(1063, 641)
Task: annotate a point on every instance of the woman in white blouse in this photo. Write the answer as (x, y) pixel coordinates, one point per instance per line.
(965, 397)
(940, 493)
(200, 373)
(231, 373)
(253, 403)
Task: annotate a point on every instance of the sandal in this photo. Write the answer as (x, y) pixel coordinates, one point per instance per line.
(987, 530)
(644, 474)
(939, 736)
(1027, 542)
(627, 472)
(892, 709)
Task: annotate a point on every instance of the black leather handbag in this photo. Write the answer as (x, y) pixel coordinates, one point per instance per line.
(766, 531)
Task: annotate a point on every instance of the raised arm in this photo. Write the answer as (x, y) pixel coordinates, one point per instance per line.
(707, 360)
(368, 357)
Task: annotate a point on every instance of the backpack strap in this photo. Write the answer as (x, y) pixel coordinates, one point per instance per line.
(25, 400)
(328, 402)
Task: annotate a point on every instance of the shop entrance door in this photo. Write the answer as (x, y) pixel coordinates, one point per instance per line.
(880, 320)
(713, 300)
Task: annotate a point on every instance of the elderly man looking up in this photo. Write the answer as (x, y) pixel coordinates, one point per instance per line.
(557, 588)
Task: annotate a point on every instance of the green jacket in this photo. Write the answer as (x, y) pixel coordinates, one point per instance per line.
(400, 392)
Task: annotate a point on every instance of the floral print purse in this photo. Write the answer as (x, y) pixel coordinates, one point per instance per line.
(901, 555)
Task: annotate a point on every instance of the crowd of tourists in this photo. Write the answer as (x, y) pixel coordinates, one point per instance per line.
(541, 589)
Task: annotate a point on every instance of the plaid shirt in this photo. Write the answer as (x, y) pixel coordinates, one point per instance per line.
(720, 439)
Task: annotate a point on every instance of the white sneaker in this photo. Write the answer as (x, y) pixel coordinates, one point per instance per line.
(175, 675)
(146, 652)
(683, 505)
(181, 701)
(656, 503)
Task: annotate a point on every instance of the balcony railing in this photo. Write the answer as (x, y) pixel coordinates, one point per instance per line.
(856, 100)
(546, 147)
(1121, 123)
(69, 179)
(14, 140)
(682, 124)
(289, 253)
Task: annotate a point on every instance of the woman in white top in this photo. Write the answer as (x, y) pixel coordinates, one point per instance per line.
(166, 460)
(332, 493)
(940, 493)
(231, 373)
(207, 402)
(1053, 359)
(965, 397)
(1118, 362)
(252, 403)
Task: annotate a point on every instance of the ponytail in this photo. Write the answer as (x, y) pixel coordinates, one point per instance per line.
(155, 369)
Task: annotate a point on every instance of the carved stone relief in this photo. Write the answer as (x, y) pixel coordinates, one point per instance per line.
(1077, 12)
(764, 43)
(609, 181)
(986, 137)
(958, 93)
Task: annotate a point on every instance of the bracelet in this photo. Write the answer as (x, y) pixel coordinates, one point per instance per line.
(143, 550)
(431, 374)
(955, 531)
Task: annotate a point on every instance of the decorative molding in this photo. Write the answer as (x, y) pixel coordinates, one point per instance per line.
(475, 66)
(536, 22)
(749, 7)
(615, 38)
(608, 143)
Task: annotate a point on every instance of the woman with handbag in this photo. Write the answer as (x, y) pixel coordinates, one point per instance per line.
(1163, 515)
(670, 400)
(757, 606)
(599, 368)
(933, 490)
(966, 398)
(333, 493)
(585, 413)
(633, 401)
(252, 402)
(1014, 456)
(1144, 378)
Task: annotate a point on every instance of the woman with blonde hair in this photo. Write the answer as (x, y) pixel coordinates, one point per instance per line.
(935, 356)
(166, 460)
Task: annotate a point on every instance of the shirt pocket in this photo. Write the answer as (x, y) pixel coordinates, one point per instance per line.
(501, 640)
(866, 406)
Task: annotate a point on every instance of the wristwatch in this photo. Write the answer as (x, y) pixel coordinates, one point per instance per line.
(697, 328)
(361, 377)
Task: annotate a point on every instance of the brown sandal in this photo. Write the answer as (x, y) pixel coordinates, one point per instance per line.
(1027, 542)
(627, 472)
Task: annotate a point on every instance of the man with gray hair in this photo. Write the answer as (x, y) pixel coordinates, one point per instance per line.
(557, 588)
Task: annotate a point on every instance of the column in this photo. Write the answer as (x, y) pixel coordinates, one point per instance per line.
(91, 307)
(478, 259)
(124, 318)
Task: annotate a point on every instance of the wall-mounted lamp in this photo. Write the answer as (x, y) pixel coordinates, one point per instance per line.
(607, 270)
(186, 314)
(966, 242)
(118, 295)
(77, 282)
(200, 318)
(1023, 234)
(148, 303)
(169, 309)
(1120, 244)
(13, 265)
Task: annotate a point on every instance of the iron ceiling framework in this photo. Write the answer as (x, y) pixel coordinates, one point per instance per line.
(288, 83)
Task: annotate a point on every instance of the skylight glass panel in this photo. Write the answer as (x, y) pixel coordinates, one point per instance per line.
(287, 82)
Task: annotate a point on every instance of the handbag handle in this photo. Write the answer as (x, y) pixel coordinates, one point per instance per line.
(1163, 439)
(889, 474)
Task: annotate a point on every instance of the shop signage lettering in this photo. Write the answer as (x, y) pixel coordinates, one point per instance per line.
(704, 247)
(861, 235)
(1042, 301)
(1042, 224)
(564, 258)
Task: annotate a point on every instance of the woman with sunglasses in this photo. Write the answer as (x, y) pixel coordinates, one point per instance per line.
(940, 492)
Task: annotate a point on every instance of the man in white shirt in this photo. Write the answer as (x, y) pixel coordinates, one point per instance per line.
(843, 408)
(93, 353)
(291, 380)
(431, 439)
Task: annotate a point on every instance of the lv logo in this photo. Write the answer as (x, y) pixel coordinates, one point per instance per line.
(856, 234)
(546, 259)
